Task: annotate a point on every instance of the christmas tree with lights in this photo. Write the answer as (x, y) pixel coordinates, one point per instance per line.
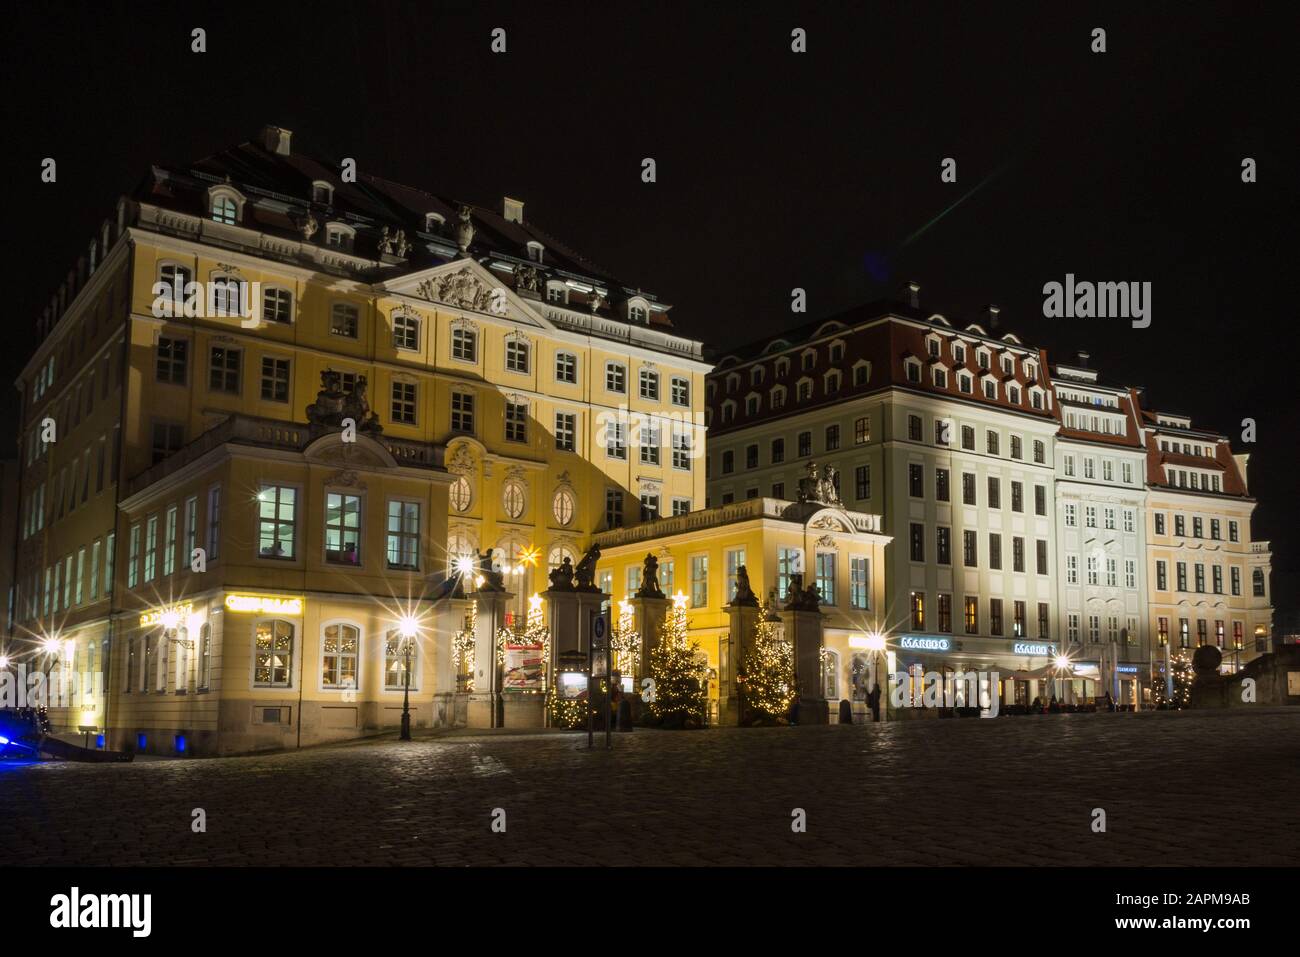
(462, 650)
(679, 673)
(1180, 665)
(767, 672)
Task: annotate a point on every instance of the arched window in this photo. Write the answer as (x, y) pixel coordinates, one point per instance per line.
(557, 556)
(831, 674)
(461, 494)
(563, 505)
(396, 649)
(340, 651)
(273, 654)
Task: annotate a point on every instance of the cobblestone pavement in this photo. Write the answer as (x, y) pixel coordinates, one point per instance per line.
(1177, 789)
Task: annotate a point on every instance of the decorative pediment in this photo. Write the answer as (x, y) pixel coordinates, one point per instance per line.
(826, 543)
(462, 288)
(346, 478)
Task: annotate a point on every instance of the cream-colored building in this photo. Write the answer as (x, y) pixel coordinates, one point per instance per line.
(200, 364)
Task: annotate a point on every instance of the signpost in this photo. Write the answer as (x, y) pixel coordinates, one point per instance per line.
(598, 667)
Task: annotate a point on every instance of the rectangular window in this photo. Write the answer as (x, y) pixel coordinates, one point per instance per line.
(826, 577)
(613, 508)
(462, 412)
(916, 539)
(969, 549)
(273, 654)
(862, 481)
(916, 481)
(150, 548)
(406, 332)
(1072, 569)
(516, 421)
(995, 492)
(1162, 576)
(1018, 621)
(805, 444)
(517, 356)
(967, 488)
(169, 541)
(1040, 500)
(1017, 553)
(404, 535)
(649, 507)
(344, 320)
(1017, 497)
(995, 551)
(943, 545)
(615, 378)
(941, 485)
(566, 367)
(649, 385)
(735, 559)
(93, 581)
(168, 438)
(566, 431)
(275, 379)
(995, 616)
(224, 366)
(277, 520)
(464, 344)
(403, 410)
(80, 594)
(788, 563)
(859, 583)
(1040, 556)
(917, 603)
(914, 428)
(1181, 570)
(342, 528)
(1044, 620)
(1130, 573)
(945, 613)
(173, 356)
(699, 581)
(861, 430)
(214, 521)
(972, 615)
(1235, 576)
(681, 391)
(110, 556)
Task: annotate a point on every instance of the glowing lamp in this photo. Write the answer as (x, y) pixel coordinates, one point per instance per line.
(464, 565)
(1062, 662)
(4, 661)
(50, 646)
(408, 627)
(171, 619)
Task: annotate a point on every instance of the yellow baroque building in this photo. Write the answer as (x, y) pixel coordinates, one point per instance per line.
(271, 409)
(704, 555)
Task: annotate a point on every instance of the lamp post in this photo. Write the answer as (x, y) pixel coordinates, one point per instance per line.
(408, 630)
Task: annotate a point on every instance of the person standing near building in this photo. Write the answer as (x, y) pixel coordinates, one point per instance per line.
(873, 701)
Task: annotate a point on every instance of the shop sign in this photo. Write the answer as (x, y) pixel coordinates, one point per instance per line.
(1127, 669)
(1032, 648)
(262, 605)
(155, 616)
(925, 644)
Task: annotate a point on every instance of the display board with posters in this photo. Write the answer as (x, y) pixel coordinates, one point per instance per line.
(524, 669)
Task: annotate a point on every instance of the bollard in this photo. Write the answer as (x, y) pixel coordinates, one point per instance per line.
(846, 711)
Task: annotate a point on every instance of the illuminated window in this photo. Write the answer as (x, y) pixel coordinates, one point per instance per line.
(273, 654)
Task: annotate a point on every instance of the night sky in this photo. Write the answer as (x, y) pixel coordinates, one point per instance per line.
(775, 170)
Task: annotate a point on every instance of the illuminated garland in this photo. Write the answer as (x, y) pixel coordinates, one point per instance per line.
(462, 645)
(767, 673)
(625, 642)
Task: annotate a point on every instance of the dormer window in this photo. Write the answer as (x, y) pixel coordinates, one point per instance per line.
(1013, 394)
(733, 381)
(932, 346)
(225, 205)
(959, 354)
(808, 359)
(433, 222)
(535, 252)
(322, 192)
(964, 384)
(1008, 365)
(339, 236)
(861, 372)
(837, 352)
(831, 382)
(984, 359)
(782, 367)
(756, 375)
(912, 369)
(557, 292)
(638, 312)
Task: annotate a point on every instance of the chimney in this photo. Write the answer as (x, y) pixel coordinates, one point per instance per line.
(276, 140)
(1083, 358)
(992, 314)
(512, 210)
(911, 294)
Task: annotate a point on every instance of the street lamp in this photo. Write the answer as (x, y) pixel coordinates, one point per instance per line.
(408, 629)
